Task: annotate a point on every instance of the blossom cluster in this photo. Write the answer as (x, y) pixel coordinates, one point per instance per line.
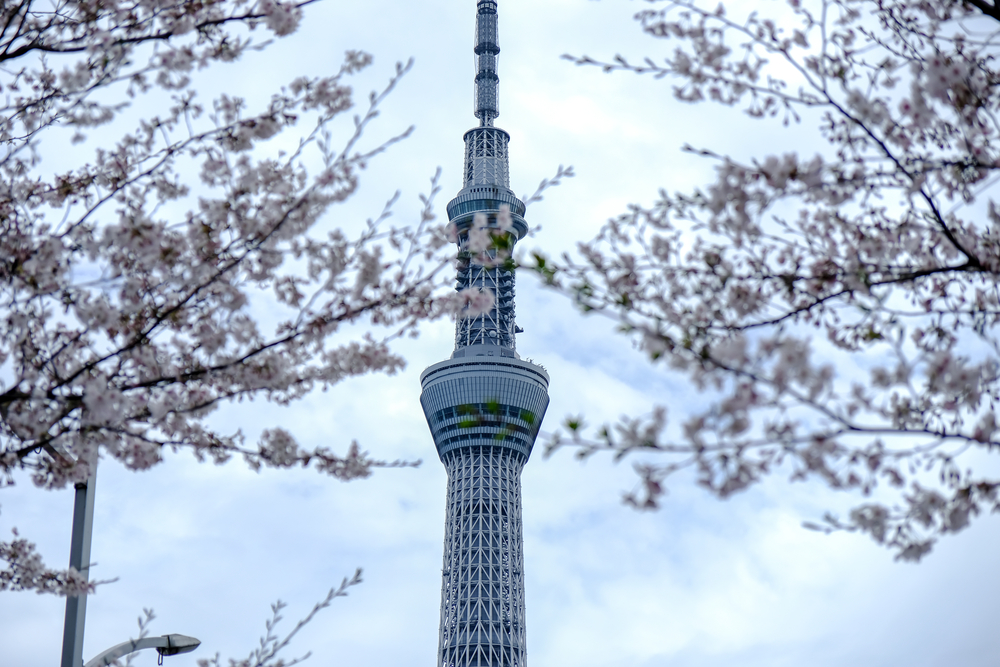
(841, 310)
(25, 571)
(128, 283)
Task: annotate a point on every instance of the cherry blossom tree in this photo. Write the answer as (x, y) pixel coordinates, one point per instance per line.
(839, 311)
(130, 284)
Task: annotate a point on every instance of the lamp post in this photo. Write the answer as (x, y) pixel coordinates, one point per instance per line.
(76, 606)
(79, 558)
(165, 645)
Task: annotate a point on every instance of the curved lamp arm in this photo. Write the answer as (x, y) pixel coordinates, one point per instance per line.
(165, 645)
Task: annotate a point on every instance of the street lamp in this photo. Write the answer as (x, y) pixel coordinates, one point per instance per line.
(76, 605)
(165, 645)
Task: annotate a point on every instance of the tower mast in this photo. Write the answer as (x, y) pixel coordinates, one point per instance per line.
(487, 50)
(484, 405)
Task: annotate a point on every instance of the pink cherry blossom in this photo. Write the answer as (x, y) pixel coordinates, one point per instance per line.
(124, 327)
(840, 312)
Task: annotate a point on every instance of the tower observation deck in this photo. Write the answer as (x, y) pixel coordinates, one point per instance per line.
(484, 405)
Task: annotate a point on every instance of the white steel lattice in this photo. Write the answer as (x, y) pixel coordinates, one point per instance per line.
(495, 327)
(482, 593)
(486, 160)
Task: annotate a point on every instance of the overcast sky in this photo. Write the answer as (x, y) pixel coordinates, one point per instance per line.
(700, 582)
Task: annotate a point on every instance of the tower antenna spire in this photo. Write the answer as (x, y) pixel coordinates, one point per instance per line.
(487, 50)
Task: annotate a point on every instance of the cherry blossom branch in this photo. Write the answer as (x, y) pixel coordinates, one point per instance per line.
(124, 323)
(265, 655)
(842, 325)
(23, 570)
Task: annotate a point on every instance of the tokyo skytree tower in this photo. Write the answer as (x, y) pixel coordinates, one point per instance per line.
(484, 405)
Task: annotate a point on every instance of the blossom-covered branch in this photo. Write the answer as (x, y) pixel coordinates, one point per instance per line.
(131, 284)
(840, 311)
(25, 571)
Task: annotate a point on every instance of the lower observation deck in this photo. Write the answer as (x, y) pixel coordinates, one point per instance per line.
(484, 399)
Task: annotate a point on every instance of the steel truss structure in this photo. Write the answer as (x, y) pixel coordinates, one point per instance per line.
(486, 157)
(495, 327)
(482, 594)
(484, 406)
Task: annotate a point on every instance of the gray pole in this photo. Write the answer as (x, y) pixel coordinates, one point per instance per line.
(79, 558)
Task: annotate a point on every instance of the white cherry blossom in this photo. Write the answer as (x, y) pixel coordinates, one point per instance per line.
(123, 323)
(839, 311)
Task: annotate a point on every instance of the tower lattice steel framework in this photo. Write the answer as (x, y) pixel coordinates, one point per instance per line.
(484, 406)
